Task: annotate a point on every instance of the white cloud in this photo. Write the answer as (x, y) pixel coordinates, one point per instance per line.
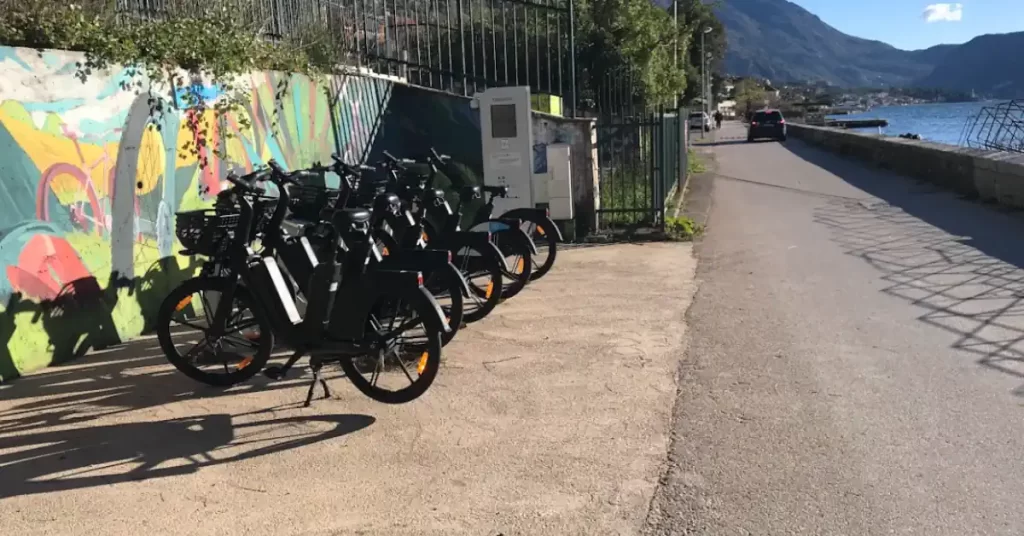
(944, 13)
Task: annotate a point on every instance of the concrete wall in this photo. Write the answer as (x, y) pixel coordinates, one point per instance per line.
(91, 175)
(987, 175)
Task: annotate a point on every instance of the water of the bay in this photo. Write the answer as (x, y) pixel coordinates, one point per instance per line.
(939, 122)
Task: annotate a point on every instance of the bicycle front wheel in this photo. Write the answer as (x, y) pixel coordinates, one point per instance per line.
(184, 329)
(483, 276)
(518, 262)
(409, 357)
(546, 241)
(444, 283)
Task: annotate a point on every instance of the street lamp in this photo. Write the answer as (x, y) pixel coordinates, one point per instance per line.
(703, 74)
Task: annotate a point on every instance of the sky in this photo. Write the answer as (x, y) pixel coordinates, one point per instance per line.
(916, 24)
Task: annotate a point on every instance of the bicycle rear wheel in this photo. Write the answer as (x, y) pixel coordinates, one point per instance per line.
(410, 357)
(185, 319)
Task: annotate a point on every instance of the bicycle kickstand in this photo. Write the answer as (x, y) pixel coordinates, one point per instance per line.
(316, 365)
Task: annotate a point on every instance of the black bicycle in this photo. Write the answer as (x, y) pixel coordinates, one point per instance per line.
(356, 317)
(473, 253)
(305, 193)
(515, 244)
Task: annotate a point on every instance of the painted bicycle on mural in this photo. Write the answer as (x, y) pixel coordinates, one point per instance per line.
(71, 187)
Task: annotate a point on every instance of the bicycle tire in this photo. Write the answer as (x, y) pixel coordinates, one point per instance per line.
(543, 239)
(488, 293)
(432, 347)
(520, 271)
(171, 304)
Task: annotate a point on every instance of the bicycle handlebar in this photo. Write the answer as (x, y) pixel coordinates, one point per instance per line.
(246, 183)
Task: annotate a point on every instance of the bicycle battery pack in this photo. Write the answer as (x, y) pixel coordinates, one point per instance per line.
(267, 277)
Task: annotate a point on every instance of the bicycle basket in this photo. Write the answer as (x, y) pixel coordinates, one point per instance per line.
(307, 201)
(205, 232)
(263, 211)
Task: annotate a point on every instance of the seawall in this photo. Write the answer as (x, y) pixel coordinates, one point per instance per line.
(986, 175)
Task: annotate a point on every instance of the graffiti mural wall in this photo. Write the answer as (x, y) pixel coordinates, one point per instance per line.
(91, 176)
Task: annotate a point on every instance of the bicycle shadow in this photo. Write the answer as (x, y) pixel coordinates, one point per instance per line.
(61, 460)
(80, 318)
(121, 380)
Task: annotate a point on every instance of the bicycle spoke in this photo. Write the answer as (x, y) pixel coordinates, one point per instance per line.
(405, 370)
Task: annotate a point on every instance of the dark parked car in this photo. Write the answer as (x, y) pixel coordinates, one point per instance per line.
(767, 124)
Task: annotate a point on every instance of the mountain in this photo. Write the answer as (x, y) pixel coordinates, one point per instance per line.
(988, 64)
(781, 41)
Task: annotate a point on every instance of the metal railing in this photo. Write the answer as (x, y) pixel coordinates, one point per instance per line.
(458, 46)
(999, 127)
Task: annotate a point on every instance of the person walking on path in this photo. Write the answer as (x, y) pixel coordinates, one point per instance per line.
(718, 119)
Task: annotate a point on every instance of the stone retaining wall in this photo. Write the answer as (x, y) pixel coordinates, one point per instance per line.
(987, 175)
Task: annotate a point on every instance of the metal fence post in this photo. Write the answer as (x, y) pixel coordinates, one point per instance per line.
(462, 47)
(572, 59)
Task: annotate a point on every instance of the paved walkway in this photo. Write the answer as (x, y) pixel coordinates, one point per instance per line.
(856, 362)
(551, 417)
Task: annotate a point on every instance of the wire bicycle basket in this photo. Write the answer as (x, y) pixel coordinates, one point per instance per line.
(209, 232)
(308, 200)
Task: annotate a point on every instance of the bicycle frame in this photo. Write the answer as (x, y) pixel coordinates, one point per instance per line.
(324, 322)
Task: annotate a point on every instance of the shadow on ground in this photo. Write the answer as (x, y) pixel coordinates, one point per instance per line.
(61, 429)
(959, 260)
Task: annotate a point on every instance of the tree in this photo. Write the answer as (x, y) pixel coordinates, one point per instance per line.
(635, 41)
(698, 17)
(750, 95)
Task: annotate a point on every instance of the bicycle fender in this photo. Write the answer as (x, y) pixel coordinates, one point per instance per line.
(536, 215)
(355, 301)
(517, 235)
(398, 283)
(453, 271)
(436, 321)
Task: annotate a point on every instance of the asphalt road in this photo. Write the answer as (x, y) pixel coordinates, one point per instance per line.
(855, 361)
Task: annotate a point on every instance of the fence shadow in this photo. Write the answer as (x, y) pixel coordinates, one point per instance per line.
(954, 258)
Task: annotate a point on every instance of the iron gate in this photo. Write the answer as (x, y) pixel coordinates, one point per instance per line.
(640, 158)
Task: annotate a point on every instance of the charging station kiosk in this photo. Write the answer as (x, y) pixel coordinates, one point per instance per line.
(506, 128)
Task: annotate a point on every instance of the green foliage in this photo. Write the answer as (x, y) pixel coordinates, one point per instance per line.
(694, 163)
(682, 228)
(636, 38)
(212, 46)
(749, 95)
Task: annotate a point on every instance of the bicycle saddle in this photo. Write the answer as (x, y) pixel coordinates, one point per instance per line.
(348, 217)
(387, 202)
(500, 191)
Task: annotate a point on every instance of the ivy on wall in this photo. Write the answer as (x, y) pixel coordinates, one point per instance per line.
(214, 46)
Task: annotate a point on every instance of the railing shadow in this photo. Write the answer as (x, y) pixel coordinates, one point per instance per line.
(956, 259)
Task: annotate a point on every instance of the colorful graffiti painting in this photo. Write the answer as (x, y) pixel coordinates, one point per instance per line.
(91, 176)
